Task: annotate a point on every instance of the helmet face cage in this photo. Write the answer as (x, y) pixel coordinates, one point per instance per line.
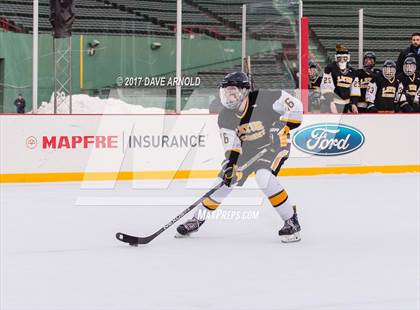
(368, 62)
(231, 97)
(409, 69)
(410, 66)
(389, 72)
(342, 60)
(313, 73)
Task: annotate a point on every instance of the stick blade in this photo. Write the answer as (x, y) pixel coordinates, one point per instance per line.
(133, 240)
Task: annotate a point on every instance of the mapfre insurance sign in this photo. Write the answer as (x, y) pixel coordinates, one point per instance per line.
(109, 143)
(113, 143)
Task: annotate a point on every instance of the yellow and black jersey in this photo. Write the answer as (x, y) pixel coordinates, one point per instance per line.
(342, 87)
(410, 87)
(364, 79)
(315, 84)
(382, 93)
(248, 133)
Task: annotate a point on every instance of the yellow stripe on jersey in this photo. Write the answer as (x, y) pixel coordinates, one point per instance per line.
(238, 150)
(275, 163)
(284, 136)
(278, 159)
(279, 198)
(244, 112)
(289, 120)
(210, 203)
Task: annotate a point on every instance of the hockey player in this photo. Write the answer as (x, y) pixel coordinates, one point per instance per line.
(249, 124)
(340, 84)
(365, 75)
(314, 87)
(382, 90)
(409, 87)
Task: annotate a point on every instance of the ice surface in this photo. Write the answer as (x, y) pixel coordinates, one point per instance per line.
(359, 249)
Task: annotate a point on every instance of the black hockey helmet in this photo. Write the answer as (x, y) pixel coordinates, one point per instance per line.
(312, 64)
(234, 88)
(390, 64)
(410, 66)
(239, 79)
(370, 55)
(313, 70)
(389, 69)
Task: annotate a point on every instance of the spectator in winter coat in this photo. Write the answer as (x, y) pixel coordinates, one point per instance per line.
(20, 104)
(412, 51)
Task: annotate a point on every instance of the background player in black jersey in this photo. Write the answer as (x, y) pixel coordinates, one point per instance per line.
(314, 87)
(365, 75)
(409, 87)
(340, 84)
(248, 124)
(382, 90)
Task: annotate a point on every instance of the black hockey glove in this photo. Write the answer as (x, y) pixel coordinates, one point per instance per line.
(416, 107)
(372, 109)
(405, 107)
(230, 173)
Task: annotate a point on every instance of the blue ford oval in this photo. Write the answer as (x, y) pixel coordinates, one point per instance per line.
(328, 139)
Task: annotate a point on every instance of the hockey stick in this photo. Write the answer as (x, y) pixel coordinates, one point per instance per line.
(134, 241)
(247, 68)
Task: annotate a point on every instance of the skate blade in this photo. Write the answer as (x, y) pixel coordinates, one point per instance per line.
(290, 238)
(179, 236)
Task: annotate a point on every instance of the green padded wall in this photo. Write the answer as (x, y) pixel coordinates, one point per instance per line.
(115, 56)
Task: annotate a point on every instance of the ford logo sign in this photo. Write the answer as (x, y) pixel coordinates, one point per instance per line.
(328, 139)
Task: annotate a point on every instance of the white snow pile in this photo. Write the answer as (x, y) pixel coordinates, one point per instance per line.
(84, 104)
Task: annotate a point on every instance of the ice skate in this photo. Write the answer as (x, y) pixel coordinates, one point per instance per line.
(290, 230)
(188, 227)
